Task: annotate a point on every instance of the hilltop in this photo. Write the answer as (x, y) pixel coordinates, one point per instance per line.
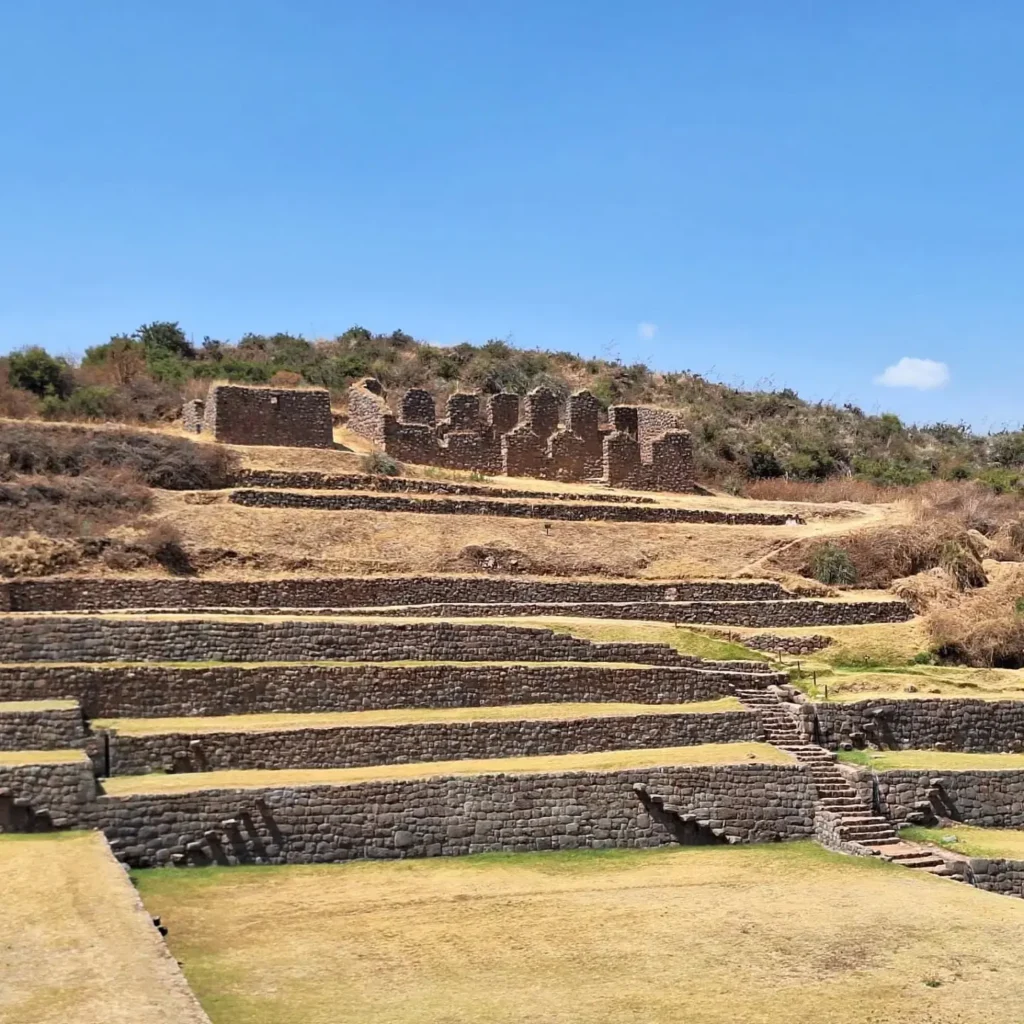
(739, 436)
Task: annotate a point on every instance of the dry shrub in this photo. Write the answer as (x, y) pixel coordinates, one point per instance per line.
(954, 526)
(172, 463)
(962, 564)
(32, 554)
(81, 506)
(986, 627)
(844, 488)
(926, 591)
(16, 403)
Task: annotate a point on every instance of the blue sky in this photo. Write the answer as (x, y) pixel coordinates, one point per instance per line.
(784, 193)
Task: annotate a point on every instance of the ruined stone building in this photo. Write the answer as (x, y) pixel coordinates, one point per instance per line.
(245, 414)
(640, 447)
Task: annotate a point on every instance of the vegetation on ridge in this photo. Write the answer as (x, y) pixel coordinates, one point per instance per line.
(738, 435)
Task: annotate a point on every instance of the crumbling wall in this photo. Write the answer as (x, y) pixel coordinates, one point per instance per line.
(192, 416)
(291, 417)
(366, 410)
(648, 451)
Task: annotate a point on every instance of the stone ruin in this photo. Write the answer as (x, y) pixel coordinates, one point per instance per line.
(641, 447)
(246, 414)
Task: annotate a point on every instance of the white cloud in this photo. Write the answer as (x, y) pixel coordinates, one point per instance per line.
(922, 374)
(646, 330)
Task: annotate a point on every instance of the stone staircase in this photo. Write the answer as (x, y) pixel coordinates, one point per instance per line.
(847, 822)
(687, 829)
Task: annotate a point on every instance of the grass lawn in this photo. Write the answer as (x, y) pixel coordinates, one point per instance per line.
(76, 945)
(939, 760)
(848, 683)
(737, 935)
(686, 641)
(41, 756)
(993, 843)
(404, 716)
(605, 760)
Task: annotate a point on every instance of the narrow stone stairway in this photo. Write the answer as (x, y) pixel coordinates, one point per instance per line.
(856, 821)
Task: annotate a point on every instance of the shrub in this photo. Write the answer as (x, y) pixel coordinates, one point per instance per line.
(380, 464)
(172, 463)
(61, 507)
(33, 369)
(962, 565)
(831, 564)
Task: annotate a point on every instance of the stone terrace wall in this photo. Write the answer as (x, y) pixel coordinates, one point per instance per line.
(65, 791)
(776, 644)
(53, 729)
(989, 799)
(576, 511)
(360, 591)
(314, 480)
(293, 417)
(356, 746)
(450, 816)
(755, 614)
(171, 691)
(1005, 877)
(92, 638)
(951, 724)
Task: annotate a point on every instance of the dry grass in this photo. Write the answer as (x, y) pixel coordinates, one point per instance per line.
(987, 626)
(738, 935)
(922, 681)
(309, 540)
(972, 842)
(603, 761)
(41, 756)
(837, 489)
(38, 705)
(933, 760)
(951, 525)
(403, 716)
(76, 944)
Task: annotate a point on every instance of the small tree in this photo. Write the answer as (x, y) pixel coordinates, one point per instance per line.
(35, 370)
(162, 337)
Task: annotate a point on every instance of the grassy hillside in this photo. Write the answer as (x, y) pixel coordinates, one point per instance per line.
(739, 435)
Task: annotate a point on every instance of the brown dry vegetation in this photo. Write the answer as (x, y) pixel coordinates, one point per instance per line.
(737, 935)
(986, 627)
(76, 944)
(952, 525)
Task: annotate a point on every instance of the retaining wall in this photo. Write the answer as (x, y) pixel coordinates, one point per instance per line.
(1005, 877)
(52, 729)
(450, 816)
(355, 746)
(777, 614)
(95, 638)
(577, 511)
(990, 799)
(941, 724)
(398, 484)
(143, 691)
(361, 591)
(65, 791)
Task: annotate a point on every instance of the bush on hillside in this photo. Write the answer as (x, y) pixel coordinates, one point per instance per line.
(379, 464)
(172, 463)
(832, 565)
(83, 506)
